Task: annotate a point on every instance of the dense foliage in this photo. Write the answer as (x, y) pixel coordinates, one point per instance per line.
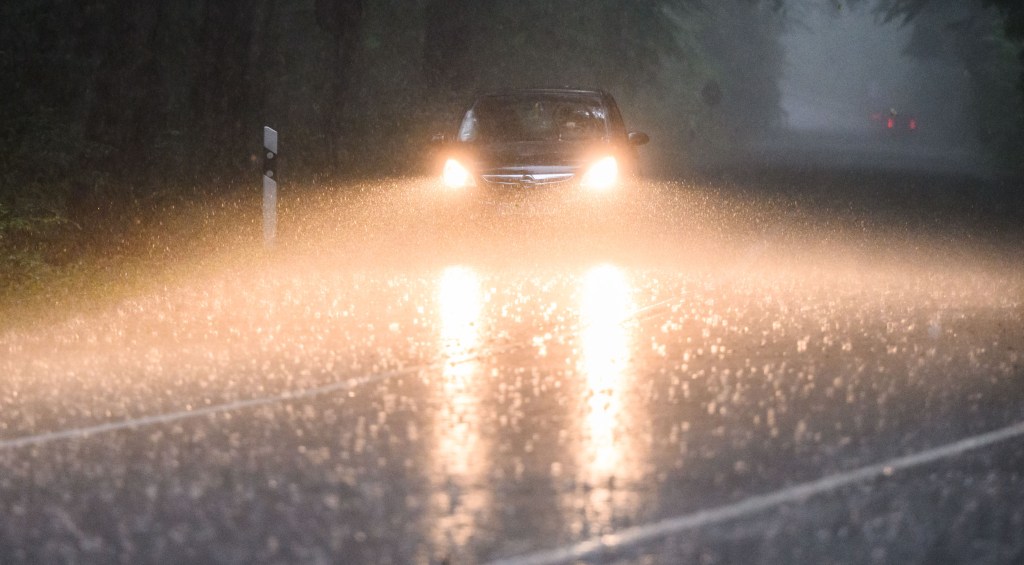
(984, 41)
(108, 105)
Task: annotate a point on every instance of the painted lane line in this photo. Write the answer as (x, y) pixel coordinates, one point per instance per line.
(610, 544)
(135, 423)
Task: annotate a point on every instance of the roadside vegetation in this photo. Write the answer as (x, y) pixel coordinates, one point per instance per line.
(115, 113)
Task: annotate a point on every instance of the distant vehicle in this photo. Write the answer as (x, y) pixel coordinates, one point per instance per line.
(895, 122)
(540, 139)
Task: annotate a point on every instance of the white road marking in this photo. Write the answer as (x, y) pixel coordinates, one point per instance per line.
(611, 544)
(135, 423)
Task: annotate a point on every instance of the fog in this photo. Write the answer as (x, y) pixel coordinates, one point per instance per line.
(112, 110)
(837, 65)
(792, 339)
(842, 65)
(847, 71)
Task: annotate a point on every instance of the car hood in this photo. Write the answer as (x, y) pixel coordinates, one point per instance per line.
(530, 154)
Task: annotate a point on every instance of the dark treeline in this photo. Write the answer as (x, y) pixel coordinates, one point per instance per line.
(982, 40)
(113, 103)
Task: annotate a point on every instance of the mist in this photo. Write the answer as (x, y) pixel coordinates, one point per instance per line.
(849, 70)
(840, 66)
(110, 110)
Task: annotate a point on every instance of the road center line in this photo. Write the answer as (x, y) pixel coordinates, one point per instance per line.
(611, 544)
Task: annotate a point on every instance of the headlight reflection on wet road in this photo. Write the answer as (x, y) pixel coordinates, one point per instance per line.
(604, 305)
(460, 458)
(460, 301)
(376, 404)
(607, 435)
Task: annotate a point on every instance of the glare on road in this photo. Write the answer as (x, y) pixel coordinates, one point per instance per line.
(430, 380)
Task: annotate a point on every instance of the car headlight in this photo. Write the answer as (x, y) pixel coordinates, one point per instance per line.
(455, 175)
(602, 175)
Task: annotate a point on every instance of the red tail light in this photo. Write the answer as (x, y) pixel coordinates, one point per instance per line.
(889, 124)
(913, 123)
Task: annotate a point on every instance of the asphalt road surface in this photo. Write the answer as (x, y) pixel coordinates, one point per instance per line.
(762, 370)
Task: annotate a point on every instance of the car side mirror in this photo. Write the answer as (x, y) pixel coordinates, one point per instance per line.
(638, 138)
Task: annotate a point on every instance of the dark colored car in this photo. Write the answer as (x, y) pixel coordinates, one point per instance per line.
(526, 140)
(895, 122)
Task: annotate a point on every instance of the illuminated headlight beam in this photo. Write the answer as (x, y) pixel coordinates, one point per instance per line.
(455, 175)
(602, 175)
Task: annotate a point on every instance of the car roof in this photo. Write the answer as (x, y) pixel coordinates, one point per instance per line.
(564, 90)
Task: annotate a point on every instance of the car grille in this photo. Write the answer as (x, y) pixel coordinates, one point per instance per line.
(528, 180)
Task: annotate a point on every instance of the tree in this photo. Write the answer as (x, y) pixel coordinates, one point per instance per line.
(985, 40)
(1011, 13)
(340, 19)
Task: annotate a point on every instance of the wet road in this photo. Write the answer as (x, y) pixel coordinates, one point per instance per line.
(409, 378)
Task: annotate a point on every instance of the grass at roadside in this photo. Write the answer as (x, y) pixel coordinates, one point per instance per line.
(81, 269)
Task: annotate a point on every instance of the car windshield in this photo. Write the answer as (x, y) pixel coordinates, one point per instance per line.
(534, 118)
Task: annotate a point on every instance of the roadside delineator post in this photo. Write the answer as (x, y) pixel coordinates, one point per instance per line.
(269, 185)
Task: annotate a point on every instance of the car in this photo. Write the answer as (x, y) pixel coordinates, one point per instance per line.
(533, 140)
(895, 122)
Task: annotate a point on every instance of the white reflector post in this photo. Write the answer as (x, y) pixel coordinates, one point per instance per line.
(269, 185)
